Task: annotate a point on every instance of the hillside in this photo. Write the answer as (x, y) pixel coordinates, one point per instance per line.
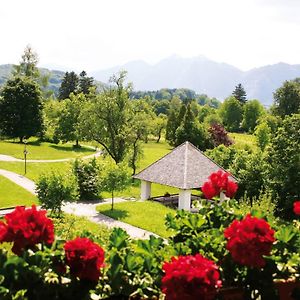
(205, 76)
(55, 76)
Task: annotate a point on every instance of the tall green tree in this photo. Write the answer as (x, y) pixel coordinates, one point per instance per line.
(287, 99)
(106, 118)
(21, 108)
(240, 94)
(68, 122)
(231, 112)
(28, 64)
(283, 166)
(68, 85)
(253, 110)
(116, 179)
(190, 130)
(85, 83)
(175, 116)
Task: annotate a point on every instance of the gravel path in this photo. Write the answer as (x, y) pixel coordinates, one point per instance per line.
(81, 209)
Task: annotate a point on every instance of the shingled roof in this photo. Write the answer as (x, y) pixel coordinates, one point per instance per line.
(185, 167)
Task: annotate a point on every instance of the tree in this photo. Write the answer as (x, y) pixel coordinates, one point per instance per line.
(283, 168)
(68, 122)
(68, 85)
(140, 127)
(287, 99)
(253, 110)
(263, 135)
(28, 64)
(116, 179)
(106, 118)
(159, 125)
(231, 112)
(219, 135)
(85, 83)
(190, 130)
(21, 108)
(240, 94)
(175, 116)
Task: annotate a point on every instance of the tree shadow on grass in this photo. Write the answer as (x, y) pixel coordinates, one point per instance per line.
(117, 214)
(71, 149)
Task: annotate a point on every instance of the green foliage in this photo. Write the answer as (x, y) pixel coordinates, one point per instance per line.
(68, 120)
(231, 112)
(190, 130)
(253, 110)
(134, 266)
(240, 94)
(20, 108)
(222, 155)
(53, 189)
(287, 99)
(159, 126)
(116, 178)
(68, 85)
(107, 117)
(283, 165)
(85, 83)
(263, 135)
(87, 178)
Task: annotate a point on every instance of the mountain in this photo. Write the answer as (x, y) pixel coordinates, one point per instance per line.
(55, 76)
(205, 77)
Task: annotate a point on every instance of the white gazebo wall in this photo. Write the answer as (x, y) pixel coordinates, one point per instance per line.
(184, 201)
(145, 190)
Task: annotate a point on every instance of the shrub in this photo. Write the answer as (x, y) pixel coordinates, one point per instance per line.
(53, 189)
(87, 177)
(219, 135)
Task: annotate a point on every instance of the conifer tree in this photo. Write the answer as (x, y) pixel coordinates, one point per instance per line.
(240, 94)
(68, 85)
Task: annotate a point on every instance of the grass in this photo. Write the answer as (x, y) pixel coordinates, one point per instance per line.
(11, 194)
(147, 215)
(34, 170)
(242, 140)
(38, 150)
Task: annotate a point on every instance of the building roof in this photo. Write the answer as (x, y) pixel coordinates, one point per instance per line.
(185, 167)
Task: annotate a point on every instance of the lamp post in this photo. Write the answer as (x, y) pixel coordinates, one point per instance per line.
(25, 153)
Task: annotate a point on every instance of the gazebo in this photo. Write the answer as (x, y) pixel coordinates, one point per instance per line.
(185, 168)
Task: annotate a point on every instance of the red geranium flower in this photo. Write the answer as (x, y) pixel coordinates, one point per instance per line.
(26, 228)
(249, 240)
(85, 258)
(190, 277)
(219, 182)
(297, 208)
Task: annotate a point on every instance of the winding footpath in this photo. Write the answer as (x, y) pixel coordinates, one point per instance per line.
(77, 208)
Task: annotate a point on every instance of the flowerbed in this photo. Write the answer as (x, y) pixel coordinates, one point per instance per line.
(208, 254)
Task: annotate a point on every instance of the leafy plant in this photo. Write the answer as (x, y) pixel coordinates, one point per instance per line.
(53, 189)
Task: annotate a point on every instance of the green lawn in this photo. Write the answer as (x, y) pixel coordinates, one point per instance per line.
(43, 150)
(34, 170)
(242, 140)
(147, 215)
(12, 195)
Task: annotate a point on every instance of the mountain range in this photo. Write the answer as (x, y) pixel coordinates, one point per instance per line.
(205, 76)
(200, 74)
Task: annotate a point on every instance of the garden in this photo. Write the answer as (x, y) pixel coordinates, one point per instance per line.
(223, 252)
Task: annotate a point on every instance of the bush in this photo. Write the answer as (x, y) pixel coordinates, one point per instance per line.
(87, 177)
(53, 189)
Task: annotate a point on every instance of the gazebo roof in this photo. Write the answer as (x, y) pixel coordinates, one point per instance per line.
(185, 167)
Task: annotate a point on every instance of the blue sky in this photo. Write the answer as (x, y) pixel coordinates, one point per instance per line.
(97, 34)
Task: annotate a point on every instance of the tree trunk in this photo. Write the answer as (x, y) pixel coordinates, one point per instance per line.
(21, 139)
(112, 200)
(159, 136)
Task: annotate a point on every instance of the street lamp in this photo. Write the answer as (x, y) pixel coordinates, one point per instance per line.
(25, 153)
